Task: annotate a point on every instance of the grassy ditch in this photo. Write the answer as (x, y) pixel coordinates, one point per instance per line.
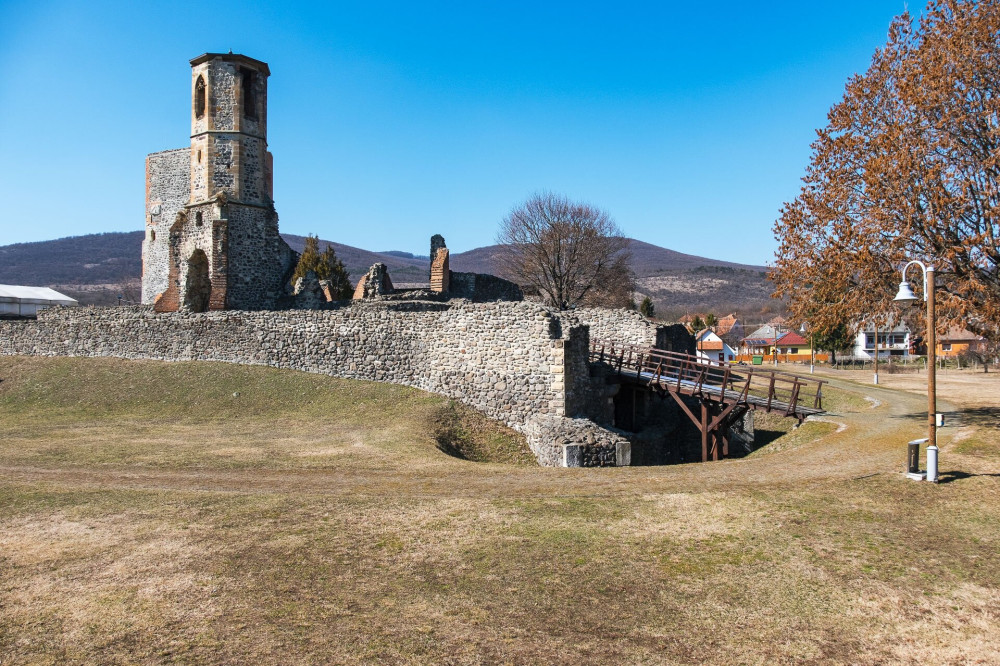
(148, 514)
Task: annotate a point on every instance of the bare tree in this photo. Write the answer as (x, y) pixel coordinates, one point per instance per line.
(572, 253)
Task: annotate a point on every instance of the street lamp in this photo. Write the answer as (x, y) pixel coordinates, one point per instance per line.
(905, 296)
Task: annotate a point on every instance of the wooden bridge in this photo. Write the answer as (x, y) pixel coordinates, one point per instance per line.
(725, 391)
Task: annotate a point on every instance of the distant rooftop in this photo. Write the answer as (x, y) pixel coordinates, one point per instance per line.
(12, 293)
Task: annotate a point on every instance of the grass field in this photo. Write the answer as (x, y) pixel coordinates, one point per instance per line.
(208, 513)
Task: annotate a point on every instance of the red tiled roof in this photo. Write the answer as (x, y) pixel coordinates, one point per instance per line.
(956, 334)
(726, 324)
(792, 338)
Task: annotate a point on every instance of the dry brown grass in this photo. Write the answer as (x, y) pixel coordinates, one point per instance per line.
(147, 517)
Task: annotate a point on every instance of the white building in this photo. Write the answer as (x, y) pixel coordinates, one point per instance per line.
(20, 301)
(712, 348)
(893, 341)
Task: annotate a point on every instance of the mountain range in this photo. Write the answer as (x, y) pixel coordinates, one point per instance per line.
(96, 268)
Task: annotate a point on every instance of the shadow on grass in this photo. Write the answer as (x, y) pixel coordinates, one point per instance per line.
(762, 438)
(987, 417)
(949, 477)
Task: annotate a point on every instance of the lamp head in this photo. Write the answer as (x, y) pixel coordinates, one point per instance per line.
(905, 295)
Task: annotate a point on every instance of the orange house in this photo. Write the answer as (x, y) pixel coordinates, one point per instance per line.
(958, 340)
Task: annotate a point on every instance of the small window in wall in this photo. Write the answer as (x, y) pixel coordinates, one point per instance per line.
(945, 346)
(197, 219)
(249, 99)
(199, 157)
(152, 235)
(199, 98)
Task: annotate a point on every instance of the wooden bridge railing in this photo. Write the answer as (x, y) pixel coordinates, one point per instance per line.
(770, 390)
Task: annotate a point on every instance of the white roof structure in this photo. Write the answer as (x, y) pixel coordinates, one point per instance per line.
(22, 301)
(11, 293)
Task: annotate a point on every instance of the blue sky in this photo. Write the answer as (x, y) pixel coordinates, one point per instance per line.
(390, 122)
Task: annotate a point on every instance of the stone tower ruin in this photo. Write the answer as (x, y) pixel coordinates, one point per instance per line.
(212, 239)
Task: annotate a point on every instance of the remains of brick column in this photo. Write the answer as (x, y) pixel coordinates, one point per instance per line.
(440, 274)
(437, 242)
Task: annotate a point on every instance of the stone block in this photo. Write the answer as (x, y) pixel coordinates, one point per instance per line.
(623, 454)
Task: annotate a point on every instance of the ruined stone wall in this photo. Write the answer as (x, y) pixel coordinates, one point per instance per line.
(260, 262)
(519, 362)
(482, 287)
(621, 326)
(500, 358)
(167, 191)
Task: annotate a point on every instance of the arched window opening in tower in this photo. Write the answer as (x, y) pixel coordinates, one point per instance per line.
(249, 101)
(199, 98)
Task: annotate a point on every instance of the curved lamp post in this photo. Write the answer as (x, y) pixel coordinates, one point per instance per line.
(905, 296)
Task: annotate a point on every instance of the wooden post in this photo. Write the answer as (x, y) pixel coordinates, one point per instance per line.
(876, 353)
(704, 432)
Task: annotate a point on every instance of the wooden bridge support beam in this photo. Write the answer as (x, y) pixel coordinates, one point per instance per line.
(714, 432)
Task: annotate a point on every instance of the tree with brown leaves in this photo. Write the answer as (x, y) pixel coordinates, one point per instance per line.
(907, 168)
(572, 253)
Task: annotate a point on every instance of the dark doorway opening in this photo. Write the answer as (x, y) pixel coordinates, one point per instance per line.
(199, 286)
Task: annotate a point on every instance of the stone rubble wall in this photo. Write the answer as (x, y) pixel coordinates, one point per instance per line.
(482, 287)
(498, 358)
(622, 326)
(259, 261)
(568, 442)
(518, 362)
(167, 192)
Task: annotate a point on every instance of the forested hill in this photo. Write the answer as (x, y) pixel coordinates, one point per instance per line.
(97, 267)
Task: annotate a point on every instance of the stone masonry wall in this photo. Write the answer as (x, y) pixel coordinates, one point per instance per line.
(260, 262)
(498, 358)
(518, 362)
(622, 326)
(167, 191)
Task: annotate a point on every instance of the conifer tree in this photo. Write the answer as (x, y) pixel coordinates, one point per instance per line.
(646, 307)
(326, 266)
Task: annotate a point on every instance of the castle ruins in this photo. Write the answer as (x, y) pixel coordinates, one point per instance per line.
(215, 287)
(212, 239)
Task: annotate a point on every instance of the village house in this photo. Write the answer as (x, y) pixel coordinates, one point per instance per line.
(711, 347)
(893, 342)
(792, 343)
(761, 341)
(957, 341)
(730, 329)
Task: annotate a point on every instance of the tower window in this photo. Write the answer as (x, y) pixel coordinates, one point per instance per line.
(199, 98)
(197, 219)
(249, 100)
